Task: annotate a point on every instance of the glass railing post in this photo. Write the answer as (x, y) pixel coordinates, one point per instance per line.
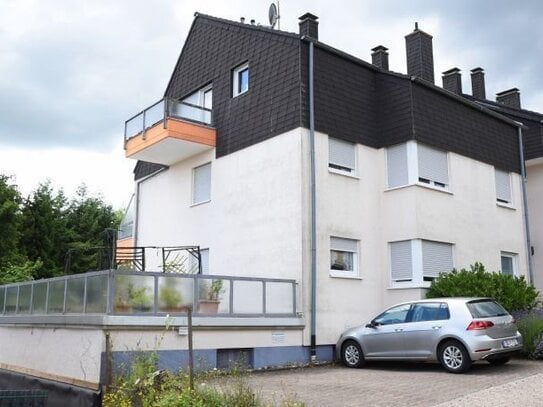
(17, 301)
(30, 308)
(166, 110)
(144, 125)
(85, 296)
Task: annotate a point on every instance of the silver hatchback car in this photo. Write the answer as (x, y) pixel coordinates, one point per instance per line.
(454, 331)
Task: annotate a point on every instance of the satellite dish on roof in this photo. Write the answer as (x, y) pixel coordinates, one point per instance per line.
(273, 14)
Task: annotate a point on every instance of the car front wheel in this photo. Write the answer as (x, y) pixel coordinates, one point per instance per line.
(351, 354)
(454, 357)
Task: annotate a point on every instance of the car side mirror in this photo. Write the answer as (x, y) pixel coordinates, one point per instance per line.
(372, 324)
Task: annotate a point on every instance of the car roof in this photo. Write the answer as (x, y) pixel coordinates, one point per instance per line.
(449, 300)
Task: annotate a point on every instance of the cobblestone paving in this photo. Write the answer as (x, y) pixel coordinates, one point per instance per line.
(519, 382)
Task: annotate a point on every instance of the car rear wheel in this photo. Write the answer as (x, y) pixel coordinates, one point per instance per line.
(351, 354)
(499, 361)
(454, 357)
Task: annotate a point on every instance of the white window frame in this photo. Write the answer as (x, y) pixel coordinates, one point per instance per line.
(514, 262)
(419, 265)
(348, 246)
(340, 165)
(504, 192)
(236, 74)
(403, 167)
(195, 199)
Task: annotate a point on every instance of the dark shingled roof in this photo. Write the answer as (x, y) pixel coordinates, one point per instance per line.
(354, 100)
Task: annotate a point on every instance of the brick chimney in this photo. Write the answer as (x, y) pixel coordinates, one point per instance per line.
(452, 81)
(478, 83)
(379, 57)
(309, 26)
(509, 98)
(420, 57)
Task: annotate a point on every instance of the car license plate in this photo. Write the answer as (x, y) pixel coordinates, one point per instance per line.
(509, 343)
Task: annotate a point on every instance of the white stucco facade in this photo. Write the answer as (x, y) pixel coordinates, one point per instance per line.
(253, 222)
(257, 222)
(363, 208)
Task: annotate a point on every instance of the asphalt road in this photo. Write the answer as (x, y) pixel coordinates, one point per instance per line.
(518, 383)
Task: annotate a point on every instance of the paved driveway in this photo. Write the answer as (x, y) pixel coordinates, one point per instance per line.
(519, 383)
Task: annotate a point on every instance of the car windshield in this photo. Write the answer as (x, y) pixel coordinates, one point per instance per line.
(486, 309)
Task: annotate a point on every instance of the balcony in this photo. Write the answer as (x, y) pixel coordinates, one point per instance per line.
(169, 131)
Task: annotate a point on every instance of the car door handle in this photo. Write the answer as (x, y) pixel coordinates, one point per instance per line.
(436, 327)
(398, 330)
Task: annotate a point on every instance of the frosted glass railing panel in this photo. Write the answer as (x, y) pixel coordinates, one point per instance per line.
(133, 294)
(38, 298)
(175, 294)
(279, 298)
(190, 112)
(213, 296)
(56, 297)
(154, 114)
(97, 294)
(134, 126)
(248, 297)
(25, 293)
(11, 299)
(75, 292)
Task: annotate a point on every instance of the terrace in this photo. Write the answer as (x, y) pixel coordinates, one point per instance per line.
(176, 285)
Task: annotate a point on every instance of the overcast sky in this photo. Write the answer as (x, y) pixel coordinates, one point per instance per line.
(72, 71)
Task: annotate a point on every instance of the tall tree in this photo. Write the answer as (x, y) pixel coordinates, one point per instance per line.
(44, 234)
(10, 202)
(92, 225)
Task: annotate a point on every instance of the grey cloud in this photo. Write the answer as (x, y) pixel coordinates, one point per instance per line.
(73, 84)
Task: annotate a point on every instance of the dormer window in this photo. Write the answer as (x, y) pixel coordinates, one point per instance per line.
(240, 80)
(196, 106)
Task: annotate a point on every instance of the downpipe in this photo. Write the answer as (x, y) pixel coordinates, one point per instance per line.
(525, 205)
(313, 348)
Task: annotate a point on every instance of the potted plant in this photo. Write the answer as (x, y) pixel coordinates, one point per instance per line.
(138, 299)
(209, 296)
(170, 297)
(175, 265)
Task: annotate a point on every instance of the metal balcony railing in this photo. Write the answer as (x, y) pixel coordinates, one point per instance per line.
(174, 259)
(160, 112)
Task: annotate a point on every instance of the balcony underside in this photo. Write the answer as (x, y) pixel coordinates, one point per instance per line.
(170, 143)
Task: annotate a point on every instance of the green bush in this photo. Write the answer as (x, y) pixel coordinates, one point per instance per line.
(531, 328)
(514, 293)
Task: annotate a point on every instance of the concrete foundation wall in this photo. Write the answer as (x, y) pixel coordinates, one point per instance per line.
(68, 355)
